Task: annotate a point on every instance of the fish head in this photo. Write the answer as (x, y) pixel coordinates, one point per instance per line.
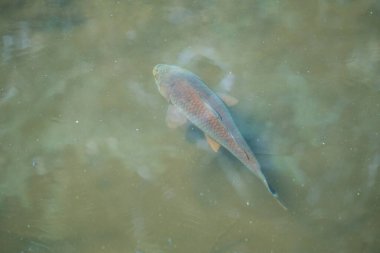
(162, 76)
(166, 76)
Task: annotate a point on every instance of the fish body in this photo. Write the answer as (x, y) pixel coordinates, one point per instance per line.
(206, 110)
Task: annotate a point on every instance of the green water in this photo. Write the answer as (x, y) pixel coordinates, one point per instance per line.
(87, 163)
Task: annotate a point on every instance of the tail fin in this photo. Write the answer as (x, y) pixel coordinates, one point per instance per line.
(269, 187)
(272, 190)
(281, 203)
(275, 195)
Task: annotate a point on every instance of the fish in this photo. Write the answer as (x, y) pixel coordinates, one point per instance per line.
(190, 99)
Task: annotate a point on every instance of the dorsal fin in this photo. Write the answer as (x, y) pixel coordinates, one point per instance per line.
(213, 111)
(247, 155)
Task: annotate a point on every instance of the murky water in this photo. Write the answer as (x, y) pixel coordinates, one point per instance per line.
(87, 163)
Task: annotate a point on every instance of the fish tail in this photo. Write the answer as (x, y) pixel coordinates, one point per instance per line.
(272, 191)
(281, 203)
(265, 181)
(275, 195)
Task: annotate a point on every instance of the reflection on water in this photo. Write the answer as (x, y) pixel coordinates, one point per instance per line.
(88, 165)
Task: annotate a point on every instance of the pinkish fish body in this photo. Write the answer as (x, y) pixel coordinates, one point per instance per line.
(190, 97)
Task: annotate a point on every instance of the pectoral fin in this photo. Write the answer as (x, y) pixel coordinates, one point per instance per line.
(213, 144)
(229, 100)
(174, 117)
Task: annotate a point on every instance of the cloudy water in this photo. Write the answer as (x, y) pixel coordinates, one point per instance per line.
(87, 163)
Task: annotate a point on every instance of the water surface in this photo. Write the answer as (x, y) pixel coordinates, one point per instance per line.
(87, 163)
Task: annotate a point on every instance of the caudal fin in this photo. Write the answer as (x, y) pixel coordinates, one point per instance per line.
(275, 195)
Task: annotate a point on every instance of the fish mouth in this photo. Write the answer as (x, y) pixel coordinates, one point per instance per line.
(160, 68)
(160, 73)
(155, 71)
(156, 75)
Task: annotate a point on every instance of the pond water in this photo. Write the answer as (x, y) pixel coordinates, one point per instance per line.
(87, 163)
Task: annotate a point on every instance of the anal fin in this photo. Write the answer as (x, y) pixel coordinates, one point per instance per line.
(213, 144)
